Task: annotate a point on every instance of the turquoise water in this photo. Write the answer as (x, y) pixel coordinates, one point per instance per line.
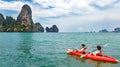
(48, 49)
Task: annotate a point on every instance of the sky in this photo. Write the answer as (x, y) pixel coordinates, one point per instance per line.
(69, 15)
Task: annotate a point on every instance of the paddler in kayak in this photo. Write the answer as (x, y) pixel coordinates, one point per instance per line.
(98, 52)
(82, 50)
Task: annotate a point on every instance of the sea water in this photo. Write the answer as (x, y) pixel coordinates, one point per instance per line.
(49, 49)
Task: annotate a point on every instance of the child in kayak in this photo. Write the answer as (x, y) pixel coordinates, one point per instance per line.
(98, 52)
(83, 49)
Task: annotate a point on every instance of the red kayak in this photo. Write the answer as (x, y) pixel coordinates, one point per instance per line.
(89, 56)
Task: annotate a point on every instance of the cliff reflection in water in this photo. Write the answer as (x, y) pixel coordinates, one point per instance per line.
(26, 45)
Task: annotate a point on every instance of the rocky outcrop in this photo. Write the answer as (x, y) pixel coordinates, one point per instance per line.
(1, 19)
(25, 16)
(117, 29)
(38, 28)
(54, 28)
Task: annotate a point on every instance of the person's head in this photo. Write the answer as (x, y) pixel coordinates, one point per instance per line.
(83, 45)
(98, 47)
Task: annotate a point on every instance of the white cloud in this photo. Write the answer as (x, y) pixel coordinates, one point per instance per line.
(103, 3)
(14, 5)
(65, 7)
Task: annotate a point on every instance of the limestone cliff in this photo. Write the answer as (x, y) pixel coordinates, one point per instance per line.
(23, 23)
(25, 16)
(1, 19)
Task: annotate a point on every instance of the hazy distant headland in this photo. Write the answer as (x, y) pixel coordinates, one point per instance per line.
(23, 23)
(115, 30)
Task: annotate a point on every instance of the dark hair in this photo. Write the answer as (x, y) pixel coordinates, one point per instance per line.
(98, 47)
(83, 44)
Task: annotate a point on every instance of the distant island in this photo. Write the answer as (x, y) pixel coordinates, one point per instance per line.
(115, 30)
(103, 30)
(23, 23)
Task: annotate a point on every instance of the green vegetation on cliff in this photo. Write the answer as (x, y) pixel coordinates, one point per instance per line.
(11, 25)
(23, 23)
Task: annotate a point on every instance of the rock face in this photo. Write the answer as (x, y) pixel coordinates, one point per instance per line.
(48, 29)
(1, 19)
(25, 16)
(1, 22)
(38, 28)
(54, 28)
(117, 29)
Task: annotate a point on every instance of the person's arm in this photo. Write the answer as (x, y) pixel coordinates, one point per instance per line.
(103, 54)
(81, 49)
(95, 52)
